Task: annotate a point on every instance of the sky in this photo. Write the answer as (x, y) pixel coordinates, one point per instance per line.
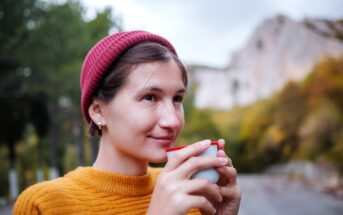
(208, 32)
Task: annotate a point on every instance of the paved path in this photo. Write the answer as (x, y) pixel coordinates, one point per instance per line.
(264, 195)
(7, 210)
(278, 196)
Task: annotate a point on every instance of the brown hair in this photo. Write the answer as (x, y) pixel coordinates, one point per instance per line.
(116, 77)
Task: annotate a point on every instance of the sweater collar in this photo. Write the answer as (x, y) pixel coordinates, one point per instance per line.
(114, 183)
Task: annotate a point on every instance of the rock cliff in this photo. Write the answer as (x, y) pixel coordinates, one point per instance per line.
(279, 50)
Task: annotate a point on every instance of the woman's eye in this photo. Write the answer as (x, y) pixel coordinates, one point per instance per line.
(150, 97)
(178, 98)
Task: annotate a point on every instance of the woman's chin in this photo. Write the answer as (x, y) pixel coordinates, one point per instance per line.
(161, 159)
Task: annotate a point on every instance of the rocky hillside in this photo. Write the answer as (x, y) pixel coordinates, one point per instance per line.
(279, 50)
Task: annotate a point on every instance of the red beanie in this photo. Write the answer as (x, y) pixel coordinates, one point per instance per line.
(103, 55)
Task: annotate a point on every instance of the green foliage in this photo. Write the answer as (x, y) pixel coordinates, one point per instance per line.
(4, 165)
(326, 81)
(42, 46)
(335, 153)
(256, 120)
(303, 121)
(319, 130)
(199, 124)
(20, 107)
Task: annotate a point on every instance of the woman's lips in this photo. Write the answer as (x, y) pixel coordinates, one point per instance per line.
(165, 141)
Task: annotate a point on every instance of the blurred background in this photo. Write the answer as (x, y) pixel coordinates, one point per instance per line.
(266, 76)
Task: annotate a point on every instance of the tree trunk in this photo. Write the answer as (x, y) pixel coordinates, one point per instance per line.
(78, 134)
(53, 173)
(12, 174)
(39, 174)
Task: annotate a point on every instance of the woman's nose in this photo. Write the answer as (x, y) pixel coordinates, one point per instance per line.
(170, 117)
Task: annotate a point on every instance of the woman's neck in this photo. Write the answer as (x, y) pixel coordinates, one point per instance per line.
(109, 158)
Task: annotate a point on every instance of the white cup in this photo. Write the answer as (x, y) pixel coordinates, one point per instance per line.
(210, 174)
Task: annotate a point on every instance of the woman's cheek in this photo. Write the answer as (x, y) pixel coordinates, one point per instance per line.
(182, 118)
(144, 120)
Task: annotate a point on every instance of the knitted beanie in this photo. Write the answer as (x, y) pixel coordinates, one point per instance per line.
(103, 55)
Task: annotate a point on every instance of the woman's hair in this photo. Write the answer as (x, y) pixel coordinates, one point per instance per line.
(117, 74)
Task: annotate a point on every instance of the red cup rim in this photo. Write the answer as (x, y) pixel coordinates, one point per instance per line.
(181, 147)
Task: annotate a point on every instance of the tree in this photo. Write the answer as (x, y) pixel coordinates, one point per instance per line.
(199, 123)
(19, 107)
(42, 47)
(291, 110)
(56, 64)
(319, 130)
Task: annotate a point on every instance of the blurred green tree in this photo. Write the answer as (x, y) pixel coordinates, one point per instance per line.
(290, 112)
(42, 47)
(199, 124)
(19, 106)
(319, 130)
(302, 121)
(56, 63)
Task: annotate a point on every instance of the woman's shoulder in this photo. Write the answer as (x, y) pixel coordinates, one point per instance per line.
(43, 192)
(44, 188)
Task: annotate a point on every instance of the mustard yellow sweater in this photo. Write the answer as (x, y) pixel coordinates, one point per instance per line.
(87, 190)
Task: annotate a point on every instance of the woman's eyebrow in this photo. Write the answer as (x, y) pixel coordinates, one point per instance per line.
(152, 89)
(157, 89)
(183, 90)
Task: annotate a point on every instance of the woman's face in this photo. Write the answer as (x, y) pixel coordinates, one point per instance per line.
(146, 115)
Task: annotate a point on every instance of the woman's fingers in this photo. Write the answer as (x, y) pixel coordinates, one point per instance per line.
(201, 203)
(197, 193)
(203, 187)
(228, 176)
(191, 187)
(221, 153)
(230, 192)
(221, 144)
(195, 164)
(182, 155)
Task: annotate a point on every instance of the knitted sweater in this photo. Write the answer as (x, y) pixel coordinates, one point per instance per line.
(87, 190)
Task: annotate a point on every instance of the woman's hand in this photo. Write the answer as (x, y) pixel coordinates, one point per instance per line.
(175, 193)
(228, 186)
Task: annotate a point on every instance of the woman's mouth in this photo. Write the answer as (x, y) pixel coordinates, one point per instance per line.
(164, 141)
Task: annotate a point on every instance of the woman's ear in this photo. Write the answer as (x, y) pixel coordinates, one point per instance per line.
(95, 112)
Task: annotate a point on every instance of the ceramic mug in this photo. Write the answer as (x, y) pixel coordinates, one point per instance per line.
(211, 174)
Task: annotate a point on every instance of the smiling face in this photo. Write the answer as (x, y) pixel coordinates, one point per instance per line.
(146, 115)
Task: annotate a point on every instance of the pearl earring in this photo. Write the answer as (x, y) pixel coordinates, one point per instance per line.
(100, 124)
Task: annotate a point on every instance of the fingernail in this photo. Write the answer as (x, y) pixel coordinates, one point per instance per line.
(206, 143)
(222, 142)
(223, 160)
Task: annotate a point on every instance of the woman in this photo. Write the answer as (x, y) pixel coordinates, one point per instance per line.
(133, 86)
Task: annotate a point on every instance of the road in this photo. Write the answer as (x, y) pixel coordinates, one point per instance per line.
(278, 196)
(265, 195)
